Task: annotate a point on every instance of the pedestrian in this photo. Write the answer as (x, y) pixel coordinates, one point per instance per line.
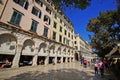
(85, 63)
(96, 67)
(101, 68)
(106, 64)
(6, 62)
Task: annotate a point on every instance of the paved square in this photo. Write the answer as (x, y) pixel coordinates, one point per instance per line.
(65, 71)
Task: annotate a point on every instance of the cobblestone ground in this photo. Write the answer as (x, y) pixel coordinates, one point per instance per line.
(64, 71)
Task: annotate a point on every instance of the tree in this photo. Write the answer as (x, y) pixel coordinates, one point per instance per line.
(80, 4)
(106, 31)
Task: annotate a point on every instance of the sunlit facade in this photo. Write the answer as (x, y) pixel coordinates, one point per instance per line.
(32, 31)
(83, 48)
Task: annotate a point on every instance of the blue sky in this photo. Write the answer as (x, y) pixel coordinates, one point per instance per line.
(80, 18)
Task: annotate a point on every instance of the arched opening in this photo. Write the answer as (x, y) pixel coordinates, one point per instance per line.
(59, 50)
(51, 59)
(41, 54)
(58, 59)
(42, 48)
(76, 56)
(52, 49)
(27, 53)
(41, 60)
(64, 59)
(7, 48)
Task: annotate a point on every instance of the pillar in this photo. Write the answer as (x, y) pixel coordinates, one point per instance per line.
(47, 57)
(16, 59)
(66, 59)
(35, 57)
(61, 59)
(70, 59)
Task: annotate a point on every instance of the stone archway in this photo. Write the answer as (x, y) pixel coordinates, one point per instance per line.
(7, 44)
(76, 56)
(7, 47)
(27, 53)
(59, 50)
(52, 49)
(42, 53)
(42, 48)
(28, 47)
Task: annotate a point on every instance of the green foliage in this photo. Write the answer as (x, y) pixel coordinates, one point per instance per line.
(106, 31)
(80, 4)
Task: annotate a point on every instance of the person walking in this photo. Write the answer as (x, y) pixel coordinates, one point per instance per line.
(101, 68)
(96, 67)
(85, 63)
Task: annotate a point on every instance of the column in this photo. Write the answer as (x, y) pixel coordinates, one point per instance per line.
(70, 59)
(35, 57)
(61, 59)
(55, 59)
(16, 59)
(66, 60)
(73, 59)
(47, 58)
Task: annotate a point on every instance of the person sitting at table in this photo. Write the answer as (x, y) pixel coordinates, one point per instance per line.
(6, 62)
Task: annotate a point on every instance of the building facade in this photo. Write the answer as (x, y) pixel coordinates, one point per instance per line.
(83, 48)
(33, 31)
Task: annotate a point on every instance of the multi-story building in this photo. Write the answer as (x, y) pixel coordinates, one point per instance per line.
(33, 31)
(83, 48)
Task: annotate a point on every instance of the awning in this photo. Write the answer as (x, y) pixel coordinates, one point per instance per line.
(113, 52)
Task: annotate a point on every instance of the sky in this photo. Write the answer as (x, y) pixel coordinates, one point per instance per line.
(80, 18)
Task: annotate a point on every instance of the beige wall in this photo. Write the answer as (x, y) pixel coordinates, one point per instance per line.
(27, 17)
(2, 6)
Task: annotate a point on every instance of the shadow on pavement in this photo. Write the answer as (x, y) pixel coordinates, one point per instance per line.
(61, 74)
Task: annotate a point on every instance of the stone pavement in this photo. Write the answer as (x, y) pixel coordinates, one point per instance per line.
(64, 71)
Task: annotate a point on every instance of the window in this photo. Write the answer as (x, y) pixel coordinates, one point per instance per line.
(60, 29)
(55, 16)
(64, 24)
(47, 20)
(16, 17)
(64, 40)
(36, 12)
(45, 33)
(65, 32)
(68, 34)
(60, 21)
(55, 25)
(71, 36)
(23, 3)
(60, 38)
(67, 42)
(39, 2)
(34, 26)
(54, 35)
(48, 1)
(76, 47)
(75, 42)
(48, 10)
